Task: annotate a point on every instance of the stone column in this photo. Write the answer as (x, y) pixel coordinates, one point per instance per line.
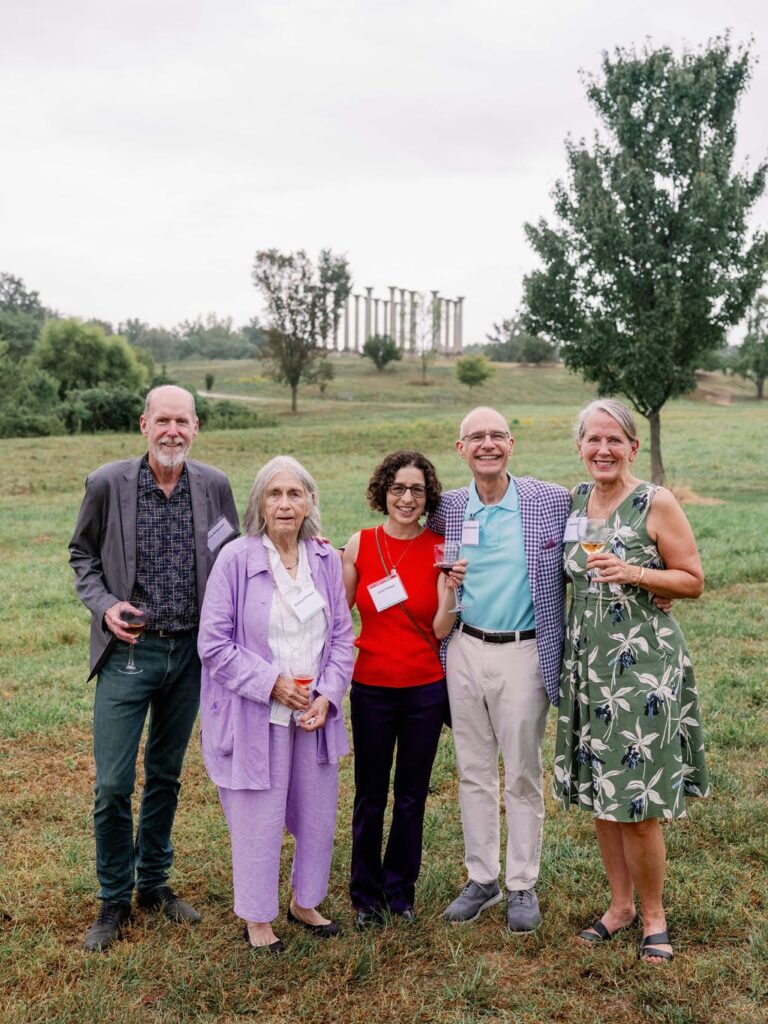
(458, 340)
(357, 322)
(402, 318)
(368, 293)
(413, 321)
(346, 324)
(435, 321)
(447, 338)
(376, 315)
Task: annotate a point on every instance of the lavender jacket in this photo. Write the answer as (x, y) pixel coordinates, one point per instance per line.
(238, 674)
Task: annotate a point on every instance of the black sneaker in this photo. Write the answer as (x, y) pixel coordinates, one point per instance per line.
(165, 899)
(108, 926)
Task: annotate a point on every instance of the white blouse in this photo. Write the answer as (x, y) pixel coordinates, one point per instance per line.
(288, 636)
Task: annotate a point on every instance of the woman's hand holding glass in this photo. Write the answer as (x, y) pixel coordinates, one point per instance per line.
(289, 693)
(612, 569)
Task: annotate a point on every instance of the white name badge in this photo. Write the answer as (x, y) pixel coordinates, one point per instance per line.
(571, 533)
(306, 604)
(387, 592)
(470, 533)
(221, 530)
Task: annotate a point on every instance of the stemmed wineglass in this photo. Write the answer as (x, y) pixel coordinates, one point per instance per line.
(135, 624)
(593, 536)
(303, 669)
(446, 556)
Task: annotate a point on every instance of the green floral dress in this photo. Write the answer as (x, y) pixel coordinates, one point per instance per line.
(629, 740)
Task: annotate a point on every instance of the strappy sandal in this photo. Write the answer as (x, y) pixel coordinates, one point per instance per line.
(648, 947)
(599, 933)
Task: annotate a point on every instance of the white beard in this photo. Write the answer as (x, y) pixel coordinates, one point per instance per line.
(168, 456)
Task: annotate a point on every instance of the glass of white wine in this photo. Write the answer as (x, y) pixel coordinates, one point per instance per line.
(136, 623)
(593, 536)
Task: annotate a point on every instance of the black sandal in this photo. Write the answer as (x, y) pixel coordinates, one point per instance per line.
(648, 947)
(600, 933)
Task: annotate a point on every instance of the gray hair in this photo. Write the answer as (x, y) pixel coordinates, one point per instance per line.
(160, 387)
(616, 410)
(254, 523)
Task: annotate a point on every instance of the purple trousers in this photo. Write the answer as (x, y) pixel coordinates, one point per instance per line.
(385, 718)
(302, 797)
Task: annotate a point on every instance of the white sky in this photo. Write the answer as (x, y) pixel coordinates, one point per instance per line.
(151, 147)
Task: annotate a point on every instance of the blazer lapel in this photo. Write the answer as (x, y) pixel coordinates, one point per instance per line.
(129, 488)
(530, 513)
(199, 497)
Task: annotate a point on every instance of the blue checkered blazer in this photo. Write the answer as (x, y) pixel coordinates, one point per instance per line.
(544, 509)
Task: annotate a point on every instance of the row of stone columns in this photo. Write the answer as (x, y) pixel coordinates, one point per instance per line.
(412, 319)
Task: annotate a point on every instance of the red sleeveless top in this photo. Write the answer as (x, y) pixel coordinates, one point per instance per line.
(392, 652)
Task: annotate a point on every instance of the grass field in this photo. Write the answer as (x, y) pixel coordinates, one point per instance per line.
(718, 881)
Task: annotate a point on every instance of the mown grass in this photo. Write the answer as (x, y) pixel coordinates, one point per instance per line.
(718, 884)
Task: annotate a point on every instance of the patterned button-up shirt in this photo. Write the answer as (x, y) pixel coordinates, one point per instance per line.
(166, 575)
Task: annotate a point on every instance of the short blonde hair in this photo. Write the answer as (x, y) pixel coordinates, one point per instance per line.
(616, 410)
(254, 523)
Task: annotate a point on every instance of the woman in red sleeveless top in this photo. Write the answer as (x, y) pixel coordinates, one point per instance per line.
(398, 697)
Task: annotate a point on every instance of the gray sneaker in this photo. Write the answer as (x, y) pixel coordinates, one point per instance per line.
(472, 901)
(523, 914)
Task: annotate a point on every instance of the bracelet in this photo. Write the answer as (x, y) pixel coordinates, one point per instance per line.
(640, 577)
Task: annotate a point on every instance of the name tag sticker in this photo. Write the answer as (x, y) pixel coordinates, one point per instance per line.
(306, 604)
(221, 530)
(571, 534)
(387, 592)
(470, 533)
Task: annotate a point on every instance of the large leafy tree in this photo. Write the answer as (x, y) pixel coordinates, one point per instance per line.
(751, 358)
(81, 356)
(652, 258)
(303, 303)
(21, 316)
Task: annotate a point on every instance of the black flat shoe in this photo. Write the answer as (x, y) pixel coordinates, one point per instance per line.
(599, 933)
(648, 947)
(320, 931)
(278, 946)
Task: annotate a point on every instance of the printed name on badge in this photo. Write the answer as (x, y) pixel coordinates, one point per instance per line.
(387, 592)
(470, 533)
(306, 604)
(571, 533)
(221, 530)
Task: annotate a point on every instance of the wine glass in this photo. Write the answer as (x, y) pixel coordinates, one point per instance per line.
(303, 669)
(593, 535)
(446, 556)
(135, 624)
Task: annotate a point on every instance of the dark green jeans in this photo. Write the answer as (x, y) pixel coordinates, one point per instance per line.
(169, 689)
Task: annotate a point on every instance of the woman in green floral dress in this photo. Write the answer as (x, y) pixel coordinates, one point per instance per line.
(629, 743)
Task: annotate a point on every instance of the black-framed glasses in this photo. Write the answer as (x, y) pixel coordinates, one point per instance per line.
(398, 490)
(478, 436)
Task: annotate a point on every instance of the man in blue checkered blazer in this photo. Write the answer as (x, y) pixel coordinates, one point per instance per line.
(502, 662)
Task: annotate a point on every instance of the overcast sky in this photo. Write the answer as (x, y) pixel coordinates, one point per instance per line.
(151, 147)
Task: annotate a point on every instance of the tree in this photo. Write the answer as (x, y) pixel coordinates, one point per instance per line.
(751, 358)
(81, 356)
(21, 316)
(651, 260)
(473, 370)
(303, 305)
(322, 374)
(381, 350)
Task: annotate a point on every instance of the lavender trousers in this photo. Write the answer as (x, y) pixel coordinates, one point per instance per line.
(302, 797)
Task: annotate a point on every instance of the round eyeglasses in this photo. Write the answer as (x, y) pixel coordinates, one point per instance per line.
(398, 490)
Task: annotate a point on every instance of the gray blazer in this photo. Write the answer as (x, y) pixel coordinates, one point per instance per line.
(102, 551)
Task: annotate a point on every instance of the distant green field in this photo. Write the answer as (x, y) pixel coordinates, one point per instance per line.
(718, 885)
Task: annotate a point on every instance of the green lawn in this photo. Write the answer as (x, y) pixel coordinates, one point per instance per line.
(718, 884)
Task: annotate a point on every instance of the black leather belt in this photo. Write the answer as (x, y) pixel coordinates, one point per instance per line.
(171, 634)
(497, 638)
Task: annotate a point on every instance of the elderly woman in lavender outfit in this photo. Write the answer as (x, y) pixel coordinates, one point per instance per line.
(271, 745)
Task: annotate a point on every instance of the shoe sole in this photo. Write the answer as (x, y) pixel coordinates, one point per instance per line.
(488, 903)
(523, 931)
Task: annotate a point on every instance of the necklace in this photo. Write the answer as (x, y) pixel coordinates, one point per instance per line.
(289, 567)
(403, 553)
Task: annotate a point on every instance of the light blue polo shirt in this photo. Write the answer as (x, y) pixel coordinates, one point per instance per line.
(497, 592)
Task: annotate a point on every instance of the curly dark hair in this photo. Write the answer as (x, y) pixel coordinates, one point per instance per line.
(385, 473)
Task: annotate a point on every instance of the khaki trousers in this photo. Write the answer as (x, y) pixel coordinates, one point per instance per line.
(498, 702)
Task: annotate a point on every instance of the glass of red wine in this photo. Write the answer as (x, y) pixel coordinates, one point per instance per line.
(446, 556)
(303, 668)
(135, 624)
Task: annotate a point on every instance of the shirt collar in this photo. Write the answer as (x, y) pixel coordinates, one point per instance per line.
(147, 482)
(510, 501)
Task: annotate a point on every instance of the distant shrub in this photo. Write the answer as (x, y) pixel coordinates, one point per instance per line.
(226, 415)
(90, 410)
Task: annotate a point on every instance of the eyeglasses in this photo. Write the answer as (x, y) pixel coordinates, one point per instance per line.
(478, 436)
(398, 490)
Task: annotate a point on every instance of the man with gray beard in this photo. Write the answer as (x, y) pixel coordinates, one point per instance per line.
(146, 538)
